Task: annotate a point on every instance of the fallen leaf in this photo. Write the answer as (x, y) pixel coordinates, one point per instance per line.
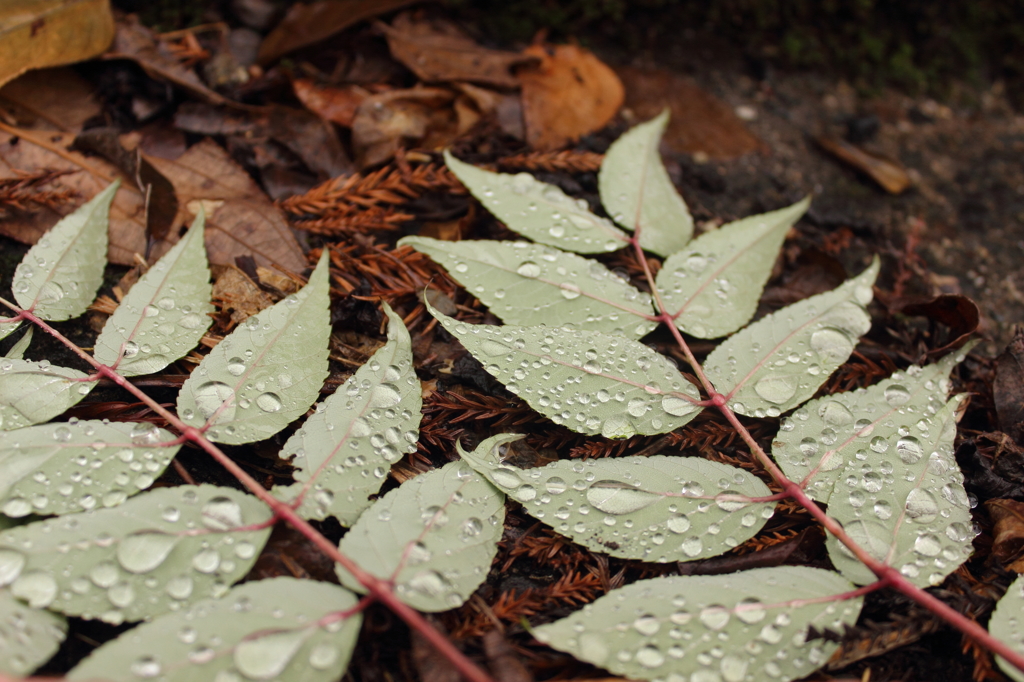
(240, 219)
(307, 24)
(438, 51)
(383, 121)
(41, 33)
(889, 175)
(957, 312)
(333, 104)
(1008, 387)
(235, 291)
(49, 99)
(699, 121)
(1008, 546)
(430, 664)
(569, 93)
(503, 660)
(136, 42)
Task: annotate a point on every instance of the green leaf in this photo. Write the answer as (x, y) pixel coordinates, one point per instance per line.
(17, 351)
(155, 553)
(267, 372)
(165, 314)
(587, 381)
(529, 284)
(63, 468)
(638, 194)
(28, 637)
(913, 516)
(281, 629)
(712, 287)
(8, 325)
(435, 536)
(59, 276)
(33, 392)
(752, 625)
(1007, 623)
(647, 508)
(539, 211)
(344, 451)
(779, 361)
(816, 443)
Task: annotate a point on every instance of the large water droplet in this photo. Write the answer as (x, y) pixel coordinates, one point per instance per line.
(714, 617)
(221, 513)
(145, 667)
(834, 413)
(647, 624)
(528, 269)
(692, 546)
(927, 545)
(206, 561)
(909, 449)
(38, 588)
(734, 668)
(751, 611)
(211, 395)
(676, 406)
(428, 582)
(776, 388)
(678, 524)
(896, 395)
(650, 656)
(615, 497)
(190, 321)
(266, 657)
(921, 506)
(730, 501)
(323, 656)
(236, 366)
(831, 345)
(11, 563)
(142, 552)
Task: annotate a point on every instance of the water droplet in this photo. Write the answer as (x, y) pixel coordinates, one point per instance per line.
(323, 656)
(528, 269)
(222, 513)
(896, 395)
(569, 291)
(236, 367)
(190, 321)
(145, 434)
(927, 545)
(883, 509)
(692, 546)
(266, 657)
(676, 406)
(831, 345)
(751, 611)
(730, 501)
(143, 551)
(615, 497)
(38, 588)
(921, 506)
(269, 402)
(647, 624)
(179, 587)
(145, 667)
(121, 595)
(11, 563)
(206, 561)
(555, 485)
(714, 617)
(650, 656)
(679, 524)
(834, 413)
(734, 668)
(909, 449)
(210, 396)
(879, 444)
(50, 292)
(493, 348)
(776, 388)
(506, 478)
(428, 582)
(104, 574)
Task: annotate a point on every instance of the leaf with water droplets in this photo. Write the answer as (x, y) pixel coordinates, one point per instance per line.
(530, 284)
(539, 211)
(711, 287)
(779, 361)
(344, 451)
(8, 326)
(648, 508)
(435, 536)
(1007, 623)
(638, 194)
(816, 443)
(70, 467)
(157, 552)
(33, 392)
(165, 314)
(17, 351)
(28, 637)
(915, 516)
(59, 276)
(278, 629)
(751, 625)
(267, 372)
(587, 381)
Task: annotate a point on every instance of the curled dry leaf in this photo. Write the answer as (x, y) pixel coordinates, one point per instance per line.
(1008, 387)
(334, 104)
(438, 51)
(1009, 532)
(383, 121)
(568, 94)
(957, 312)
(40, 33)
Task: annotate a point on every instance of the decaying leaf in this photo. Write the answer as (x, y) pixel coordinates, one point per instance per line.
(41, 33)
(1008, 387)
(1008, 516)
(331, 103)
(50, 99)
(383, 121)
(568, 94)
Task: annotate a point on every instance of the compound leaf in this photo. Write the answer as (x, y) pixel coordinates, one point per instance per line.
(637, 192)
(267, 372)
(32, 392)
(647, 508)
(343, 452)
(282, 629)
(59, 276)
(62, 468)
(1006, 624)
(17, 351)
(530, 284)
(155, 553)
(711, 287)
(911, 515)
(28, 637)
(779, 361)
(751, 625)
(539, 211)
(816, 443)
(165, 314)
(435, 537)
(587, 381)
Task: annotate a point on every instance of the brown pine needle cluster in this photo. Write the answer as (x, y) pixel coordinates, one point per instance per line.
(568, 161)
(27, 189)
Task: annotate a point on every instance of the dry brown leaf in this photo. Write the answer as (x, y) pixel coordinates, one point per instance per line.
(438, 51)
(568, 94)
(1008, 547)
(1008, 387)
(334, 104)
(136, 42)
(235, 291)
(41, 33)
(699, 122)
(49, 99)
(240, 219)
(889, 175)
(23, 150)
(383, 121)
(307, 24)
